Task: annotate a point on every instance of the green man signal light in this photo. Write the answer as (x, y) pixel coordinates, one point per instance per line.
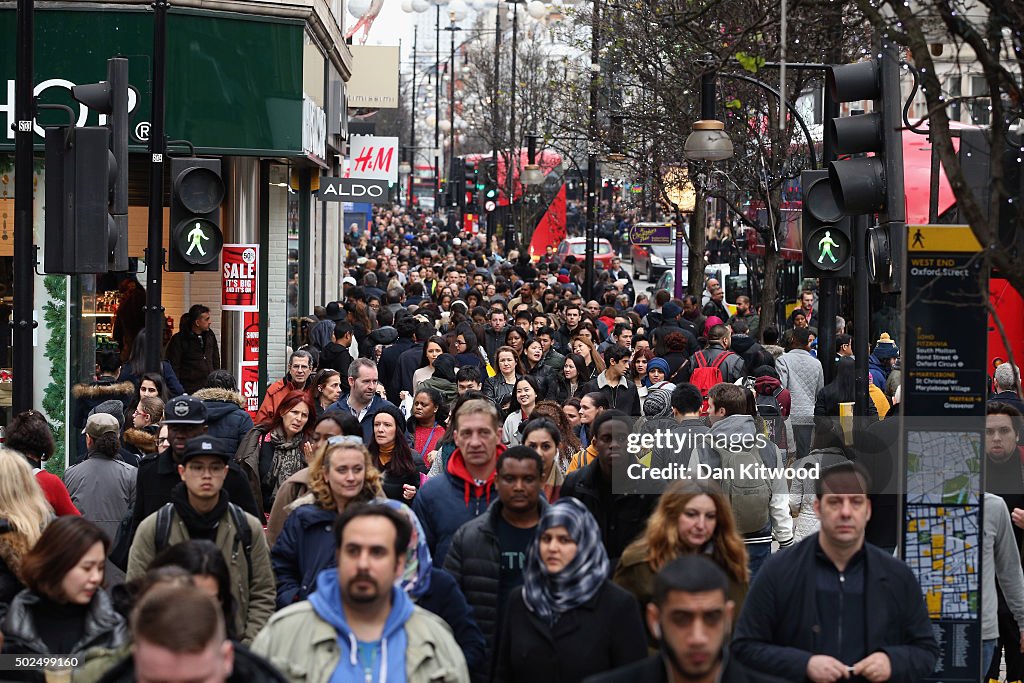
(197, 191)
(826, 232)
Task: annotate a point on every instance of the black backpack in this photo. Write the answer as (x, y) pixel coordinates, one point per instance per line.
(769, 410)
(165, 517)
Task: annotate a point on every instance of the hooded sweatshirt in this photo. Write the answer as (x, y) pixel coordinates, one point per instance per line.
(385, 657)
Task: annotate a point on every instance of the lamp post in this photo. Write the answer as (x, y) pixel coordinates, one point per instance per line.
(592, 170)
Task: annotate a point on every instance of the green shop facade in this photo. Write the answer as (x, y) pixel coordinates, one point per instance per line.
(264, 91)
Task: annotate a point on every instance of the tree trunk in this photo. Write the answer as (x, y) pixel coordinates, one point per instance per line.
(698, 242)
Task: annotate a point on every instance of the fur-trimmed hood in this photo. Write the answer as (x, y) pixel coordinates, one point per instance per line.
(140, 439)
(103, 391)
(13, 547)
(217, 394)
(306, 499)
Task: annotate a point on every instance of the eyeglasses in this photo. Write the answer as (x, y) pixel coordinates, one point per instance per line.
(345, 440)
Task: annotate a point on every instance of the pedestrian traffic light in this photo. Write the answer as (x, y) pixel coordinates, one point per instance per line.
(827, 236)
(872, 184)
(488, 195)
(196, 194)
(86, 223)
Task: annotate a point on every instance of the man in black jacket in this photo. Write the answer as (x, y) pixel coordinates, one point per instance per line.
(388, 363)
(805, 630)
(691, 617)
(185, 417)
(336, 355)
(488, 553)
(193, 352)
(613, 383)
(621, 517)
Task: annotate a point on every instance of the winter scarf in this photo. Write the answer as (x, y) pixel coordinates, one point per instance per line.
(415, 580)
(551, 595)
(199, 525)
(288, 457)
(388, 660)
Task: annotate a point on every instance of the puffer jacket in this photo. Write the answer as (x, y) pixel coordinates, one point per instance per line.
(226, 418)
(141, 442)
(304, 548)
(104, 628)
(474, 560)
(87, 397)
(251, 586)
(801, 374)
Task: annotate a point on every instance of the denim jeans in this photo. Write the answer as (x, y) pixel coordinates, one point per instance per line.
(757, 553)
(988, 648)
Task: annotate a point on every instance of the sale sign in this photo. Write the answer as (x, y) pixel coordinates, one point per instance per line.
(372, 157)
(249, 380)
(240, 269)
(251, 337)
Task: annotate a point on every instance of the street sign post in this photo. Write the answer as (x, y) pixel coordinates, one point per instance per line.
(647, 234)
(943, 436)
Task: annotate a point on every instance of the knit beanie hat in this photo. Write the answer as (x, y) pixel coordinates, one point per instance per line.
(885, 347)
(658, 403)
(659, 363)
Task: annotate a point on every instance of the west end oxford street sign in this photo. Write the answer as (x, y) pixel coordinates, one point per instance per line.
(353, 190)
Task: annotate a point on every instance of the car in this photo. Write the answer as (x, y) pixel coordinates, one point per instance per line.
(651, 261)
(577, 246)
(668, 280)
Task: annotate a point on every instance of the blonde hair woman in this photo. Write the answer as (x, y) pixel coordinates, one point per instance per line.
(341, 474)
(24, 513)
(691, 517)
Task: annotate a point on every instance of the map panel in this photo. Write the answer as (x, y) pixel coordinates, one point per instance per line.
(942, 549)
(943, 468)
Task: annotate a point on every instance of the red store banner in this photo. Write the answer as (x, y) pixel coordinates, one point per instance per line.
(240, 270)
(251, 337)
(249, 380)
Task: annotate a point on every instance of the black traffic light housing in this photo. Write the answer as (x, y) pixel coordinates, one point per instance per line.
(488, 179)
(197, 191)
(469, 178)
(86, 222)
(827, 234)
(869, 185)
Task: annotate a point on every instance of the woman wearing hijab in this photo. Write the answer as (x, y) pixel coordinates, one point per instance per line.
(436, 591)
(569, 620)
(443, 379)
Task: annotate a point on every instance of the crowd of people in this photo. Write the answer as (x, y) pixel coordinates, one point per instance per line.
(430, 493)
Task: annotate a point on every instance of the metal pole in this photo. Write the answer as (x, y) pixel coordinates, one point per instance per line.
(592, 172)
(828, 297)
(495, 113)
(513, 151)
(451, 108)
(437, 111)
(24, 251)
(157, 150)
(861, 313)
(412, 117)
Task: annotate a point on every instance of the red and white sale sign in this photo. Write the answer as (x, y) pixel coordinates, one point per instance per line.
(251, 337)
(249, 380)
(240, 270)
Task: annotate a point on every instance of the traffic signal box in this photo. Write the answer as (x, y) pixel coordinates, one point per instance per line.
(86, 221)
(827, 234)
(197, 191)
(469, 182)
(488, 177)
(872, 184)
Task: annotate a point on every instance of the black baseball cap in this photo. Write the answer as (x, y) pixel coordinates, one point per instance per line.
(205, 445)
(185, 410)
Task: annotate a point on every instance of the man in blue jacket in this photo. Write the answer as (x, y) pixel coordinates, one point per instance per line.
(466, 487)
(361, 400)
(856, 610)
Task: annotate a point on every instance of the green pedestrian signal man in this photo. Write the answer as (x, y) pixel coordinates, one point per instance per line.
(196, 237)
(825, 245)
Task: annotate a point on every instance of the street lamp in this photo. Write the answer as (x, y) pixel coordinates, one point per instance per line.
(708, 141)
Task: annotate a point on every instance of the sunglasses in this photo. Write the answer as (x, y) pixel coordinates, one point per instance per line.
(345, 439)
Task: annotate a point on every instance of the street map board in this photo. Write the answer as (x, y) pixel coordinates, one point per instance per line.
(944, 394)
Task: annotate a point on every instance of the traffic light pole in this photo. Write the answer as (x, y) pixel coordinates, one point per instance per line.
(157, 151)
(828, 299)
(861, 313)
(24, 252)
(592, 172)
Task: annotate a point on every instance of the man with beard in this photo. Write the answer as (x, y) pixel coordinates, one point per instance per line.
(359, 624)
(691, 617)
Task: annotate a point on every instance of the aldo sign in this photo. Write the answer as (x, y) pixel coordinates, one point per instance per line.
(353, 190)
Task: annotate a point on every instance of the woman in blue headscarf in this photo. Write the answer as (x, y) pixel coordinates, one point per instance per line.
(436, 591)
(569, 621)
